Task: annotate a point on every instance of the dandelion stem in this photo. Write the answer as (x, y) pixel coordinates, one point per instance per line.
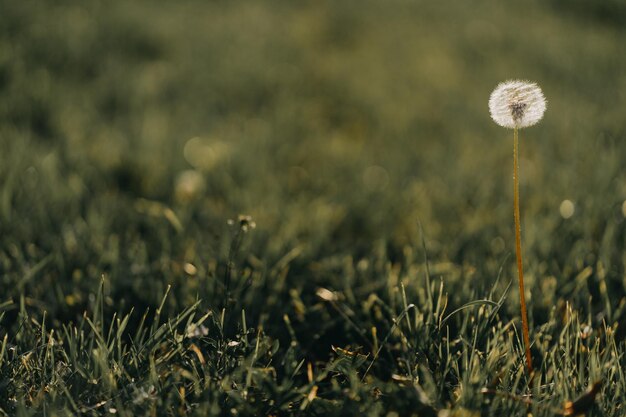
(518, 252)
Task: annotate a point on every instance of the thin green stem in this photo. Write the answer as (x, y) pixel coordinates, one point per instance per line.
(518, 252)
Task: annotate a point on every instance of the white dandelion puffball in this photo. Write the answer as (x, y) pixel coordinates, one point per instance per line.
(517, 104)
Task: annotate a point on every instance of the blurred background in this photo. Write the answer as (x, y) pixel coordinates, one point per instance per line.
(131, 132)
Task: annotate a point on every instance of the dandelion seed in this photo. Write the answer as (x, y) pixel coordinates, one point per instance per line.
(195, 331)
(517, 104)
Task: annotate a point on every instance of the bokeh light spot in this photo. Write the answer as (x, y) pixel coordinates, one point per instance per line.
(189, 186)
(567, 209)
(204, 154)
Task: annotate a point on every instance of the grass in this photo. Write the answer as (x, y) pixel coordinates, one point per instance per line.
(132, 132)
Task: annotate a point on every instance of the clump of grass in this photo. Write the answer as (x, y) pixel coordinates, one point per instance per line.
(515, 105)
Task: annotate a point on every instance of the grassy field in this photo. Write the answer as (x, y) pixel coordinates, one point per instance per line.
(304, 208)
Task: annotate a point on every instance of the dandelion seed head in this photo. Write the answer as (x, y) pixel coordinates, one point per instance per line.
(517, 104)
(244, 221)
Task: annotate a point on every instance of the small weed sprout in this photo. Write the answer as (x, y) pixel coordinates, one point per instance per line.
(517, 104)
